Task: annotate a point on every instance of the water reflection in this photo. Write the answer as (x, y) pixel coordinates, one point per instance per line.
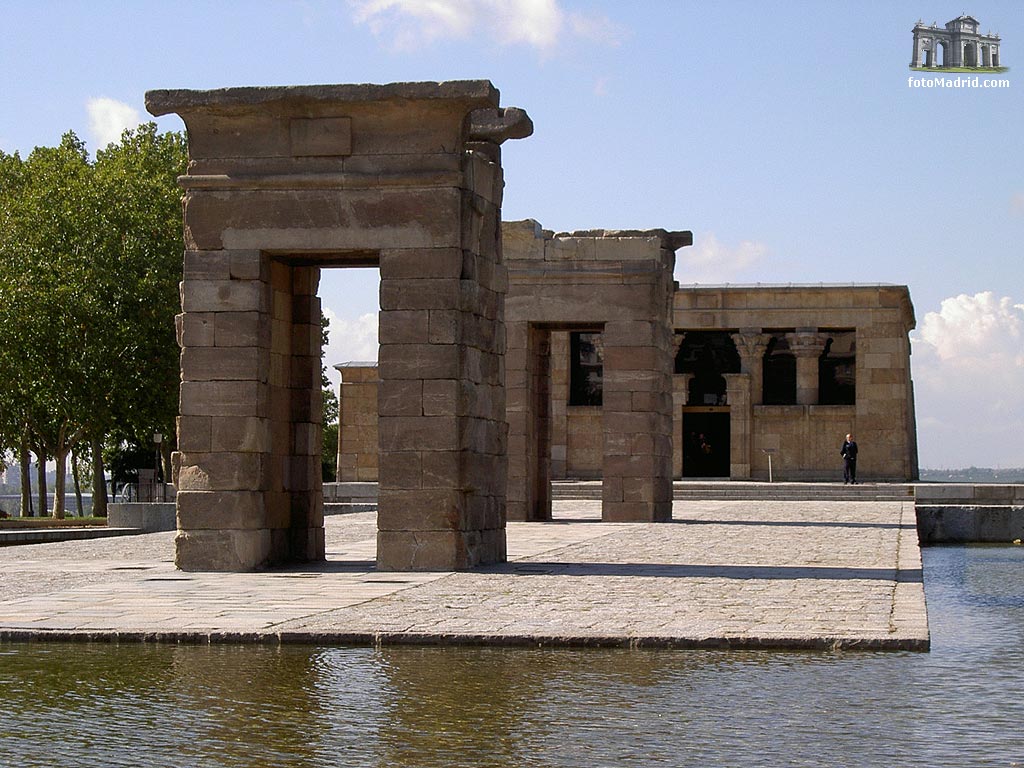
(420, 707)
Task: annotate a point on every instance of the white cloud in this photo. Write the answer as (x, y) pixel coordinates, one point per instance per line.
(1017, 204)
(978, 330)
(599, 29)
(350, 340)
(109, 118)
(711, 261)
(410, 24)
(969, 380)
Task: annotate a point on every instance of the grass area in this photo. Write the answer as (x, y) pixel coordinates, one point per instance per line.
(968, 70)
(49, 522)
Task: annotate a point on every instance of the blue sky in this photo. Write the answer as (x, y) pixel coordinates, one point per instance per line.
(783, 134)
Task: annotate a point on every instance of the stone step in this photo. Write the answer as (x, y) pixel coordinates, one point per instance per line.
(348, 507)
(726, 491)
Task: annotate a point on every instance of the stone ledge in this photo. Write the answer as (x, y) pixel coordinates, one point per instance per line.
(144, 516)
(822, 643)
(50, 535)
(969, 524)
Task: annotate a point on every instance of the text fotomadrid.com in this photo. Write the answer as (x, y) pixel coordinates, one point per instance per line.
(956, 82)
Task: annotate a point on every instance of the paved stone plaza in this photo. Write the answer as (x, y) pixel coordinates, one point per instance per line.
(741, 574)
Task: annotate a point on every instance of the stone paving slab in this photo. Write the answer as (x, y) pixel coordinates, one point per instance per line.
(740, 574)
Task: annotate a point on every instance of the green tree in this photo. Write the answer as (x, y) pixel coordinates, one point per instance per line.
(44, 302)
(91, 256)
(331, 412)
(138, 271)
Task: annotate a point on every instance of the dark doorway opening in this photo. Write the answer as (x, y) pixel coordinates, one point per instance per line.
(706, 443)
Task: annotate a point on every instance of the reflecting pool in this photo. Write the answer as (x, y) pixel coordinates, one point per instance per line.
(135, 705)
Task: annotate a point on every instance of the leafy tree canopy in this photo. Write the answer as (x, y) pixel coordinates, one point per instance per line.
(91, 260)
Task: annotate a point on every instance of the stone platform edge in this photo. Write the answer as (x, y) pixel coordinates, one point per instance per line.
(378, 639)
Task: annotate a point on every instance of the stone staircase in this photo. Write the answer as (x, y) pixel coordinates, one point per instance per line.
(726, 490)
(340, 498)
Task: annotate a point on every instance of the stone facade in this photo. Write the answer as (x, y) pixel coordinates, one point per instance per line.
(957, 44)
(803, 433)
(761, 373)
(281, 183)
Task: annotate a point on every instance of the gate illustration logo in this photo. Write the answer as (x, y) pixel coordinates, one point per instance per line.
(956, 47)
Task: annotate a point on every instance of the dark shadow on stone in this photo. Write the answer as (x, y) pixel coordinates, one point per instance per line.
(796, 524)
(329, 566)
(683, 571)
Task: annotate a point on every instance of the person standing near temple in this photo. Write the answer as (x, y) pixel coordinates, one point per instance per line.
(849, 454)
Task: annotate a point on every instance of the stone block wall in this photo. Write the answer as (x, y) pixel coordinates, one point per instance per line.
(583, 447)
(357, 418)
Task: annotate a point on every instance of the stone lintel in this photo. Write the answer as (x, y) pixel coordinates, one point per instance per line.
(671, 239)
(475, 94)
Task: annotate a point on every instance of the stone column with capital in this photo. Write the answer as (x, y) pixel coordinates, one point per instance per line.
(807, 345)
(751, 344)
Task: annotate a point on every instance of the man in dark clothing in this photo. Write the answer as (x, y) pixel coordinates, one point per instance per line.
(849, 454)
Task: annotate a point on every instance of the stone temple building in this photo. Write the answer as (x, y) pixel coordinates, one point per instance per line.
(957, 44)
(615, 371)
(509, 355)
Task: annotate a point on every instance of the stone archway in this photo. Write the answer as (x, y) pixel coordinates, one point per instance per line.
(618, 285)
(406, 176)
(970, 57)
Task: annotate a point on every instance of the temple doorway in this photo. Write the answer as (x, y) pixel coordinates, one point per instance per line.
(705, 438)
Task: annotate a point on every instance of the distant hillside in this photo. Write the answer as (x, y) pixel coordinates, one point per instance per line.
(974, 475)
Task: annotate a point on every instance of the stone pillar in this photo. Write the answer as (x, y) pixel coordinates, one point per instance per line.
(637, 422)
(559, 387)
(680, 394)
(250, 403)
(529, 423)
(737, 392)
(807, 345)
(303, 480)
(232, 506)
(751, 345)
(441, 403)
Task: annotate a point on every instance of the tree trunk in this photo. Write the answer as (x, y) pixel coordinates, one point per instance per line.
(61, 458)
(78, 482)
(26, 477)
(99, 481)
(41, 476)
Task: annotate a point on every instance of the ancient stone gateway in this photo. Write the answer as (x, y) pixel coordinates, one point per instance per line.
(284, 181)
(617, 286)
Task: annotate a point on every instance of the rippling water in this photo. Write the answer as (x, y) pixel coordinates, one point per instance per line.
(960, 705)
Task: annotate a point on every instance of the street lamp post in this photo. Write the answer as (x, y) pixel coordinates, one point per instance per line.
(158, 438)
